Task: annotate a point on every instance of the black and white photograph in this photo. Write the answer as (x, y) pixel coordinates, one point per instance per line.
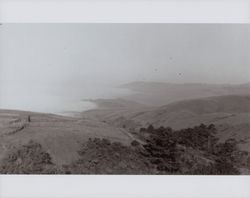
(124, 99)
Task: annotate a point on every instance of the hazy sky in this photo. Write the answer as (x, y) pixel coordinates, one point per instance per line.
(75, 54)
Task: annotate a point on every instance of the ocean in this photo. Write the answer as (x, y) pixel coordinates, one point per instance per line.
(61, 100)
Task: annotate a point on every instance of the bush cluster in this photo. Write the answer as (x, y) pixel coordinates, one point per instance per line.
(28, 159)
(192, 151)
(101, 156)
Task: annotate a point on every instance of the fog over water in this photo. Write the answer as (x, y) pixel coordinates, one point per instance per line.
(53, 67)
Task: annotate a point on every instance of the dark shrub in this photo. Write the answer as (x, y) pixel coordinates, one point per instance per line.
(28, 159)
(193, 151)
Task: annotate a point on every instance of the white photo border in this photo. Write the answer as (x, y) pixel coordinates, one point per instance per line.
(124, 11)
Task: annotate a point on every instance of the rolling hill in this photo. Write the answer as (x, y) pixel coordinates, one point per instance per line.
(119, 121)
(230, 114)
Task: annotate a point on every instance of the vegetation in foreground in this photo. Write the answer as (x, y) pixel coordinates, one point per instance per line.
(191, 151)
(194, 151)
(28, 159)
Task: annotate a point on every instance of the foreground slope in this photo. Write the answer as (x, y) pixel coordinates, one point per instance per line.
(59, 136)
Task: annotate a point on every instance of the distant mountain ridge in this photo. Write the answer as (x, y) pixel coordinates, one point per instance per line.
(160, 93)
(213, 104)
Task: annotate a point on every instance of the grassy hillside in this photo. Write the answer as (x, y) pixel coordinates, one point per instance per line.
(59, 136)
(230, 114)
(189, 151)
